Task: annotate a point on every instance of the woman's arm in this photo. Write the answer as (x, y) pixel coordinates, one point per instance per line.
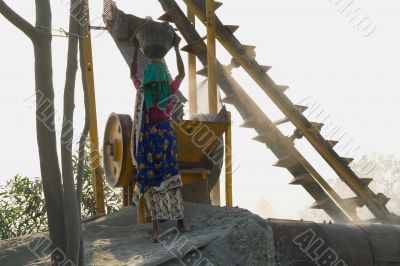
(134, 59)
(179, 61)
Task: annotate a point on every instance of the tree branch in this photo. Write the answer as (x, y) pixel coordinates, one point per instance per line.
(72, 217)
(86, 128)
(18, 21)
(43, 13)
(82, 140)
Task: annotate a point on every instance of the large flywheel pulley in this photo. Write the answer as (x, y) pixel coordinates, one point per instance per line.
(118, 166)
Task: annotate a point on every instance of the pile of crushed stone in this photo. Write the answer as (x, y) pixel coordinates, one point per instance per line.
(217, 236)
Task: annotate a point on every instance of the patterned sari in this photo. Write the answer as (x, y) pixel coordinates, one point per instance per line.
(156, 157)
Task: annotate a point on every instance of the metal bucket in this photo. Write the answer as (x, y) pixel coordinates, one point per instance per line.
(155, 39)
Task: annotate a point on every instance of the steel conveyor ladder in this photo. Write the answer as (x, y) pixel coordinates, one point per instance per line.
(341, 210)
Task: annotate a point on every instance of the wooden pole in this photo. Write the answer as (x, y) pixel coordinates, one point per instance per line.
(97, 172)
(228, 164)
(212, 80)
(192, 73)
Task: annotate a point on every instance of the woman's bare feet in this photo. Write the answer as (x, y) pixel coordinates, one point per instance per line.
(156, 232)
(181, 226)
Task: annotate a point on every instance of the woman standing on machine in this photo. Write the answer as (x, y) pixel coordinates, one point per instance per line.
(155, 141)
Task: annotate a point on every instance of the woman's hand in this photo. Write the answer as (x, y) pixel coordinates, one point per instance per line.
(179, 61)
(177, 41)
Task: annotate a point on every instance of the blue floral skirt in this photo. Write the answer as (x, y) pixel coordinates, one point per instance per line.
(158, 174)
(157, 156)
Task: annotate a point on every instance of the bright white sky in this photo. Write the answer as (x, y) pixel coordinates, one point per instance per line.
(311, 46)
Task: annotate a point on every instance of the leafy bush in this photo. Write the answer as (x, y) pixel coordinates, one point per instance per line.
(22, 208)
(22, 205)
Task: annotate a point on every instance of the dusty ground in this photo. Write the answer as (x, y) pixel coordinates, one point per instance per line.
(217, 236)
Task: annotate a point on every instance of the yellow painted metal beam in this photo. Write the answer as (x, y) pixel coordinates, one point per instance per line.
(212, 79)
(192, 73)
(141, 210)
(97, 172)
(228, 164)
(211, 56)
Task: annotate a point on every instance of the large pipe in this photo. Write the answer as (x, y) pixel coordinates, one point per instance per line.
(300, 243)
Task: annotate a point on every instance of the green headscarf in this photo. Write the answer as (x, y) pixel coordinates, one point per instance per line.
(156, 85)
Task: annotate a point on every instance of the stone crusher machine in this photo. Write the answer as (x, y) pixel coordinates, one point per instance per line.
(200, 141)
(351, 241)
(121, 27)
